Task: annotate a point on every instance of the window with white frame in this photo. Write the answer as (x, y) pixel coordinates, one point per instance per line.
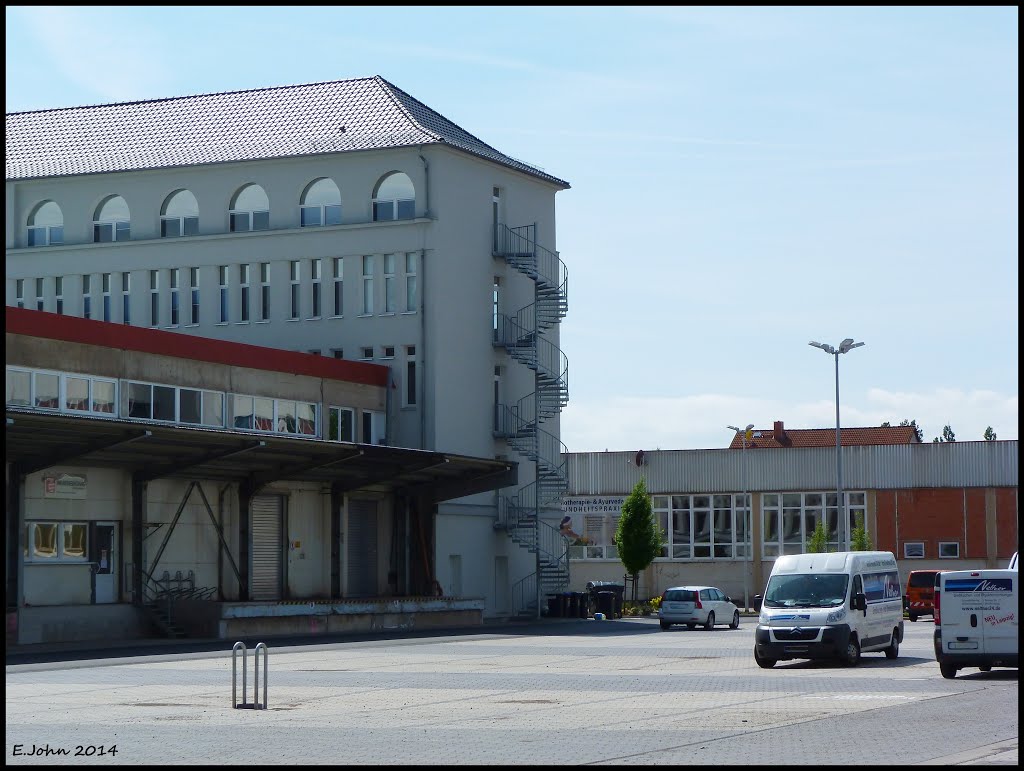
(61, 391)
(321, 204)
(86, 296)
(40, 297)
(341, 425)
(789, 519)
(107, 302)
(174, 276)
(283, 416)
(225, 307)
(51, 542)
(949, 550)
(193, 283)
(913, 550)
(250, 210)
(366, 353)
(58, 294)
(19, 292)
(296, 288)
(373, 427)
(387, 352)
(154, 298)
(339, 286)
(126, 298)
(179, 216)
(45, 225)
(174, 404)
(394, 198)
(264, 291)
(411, 281)
(316, 293)
(389, 283)
(367, 284)
(243, 284)
(112, 221)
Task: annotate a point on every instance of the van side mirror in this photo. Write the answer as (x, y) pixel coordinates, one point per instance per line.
(728, 599)
(860, 602)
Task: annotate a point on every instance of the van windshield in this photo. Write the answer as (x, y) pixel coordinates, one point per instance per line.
(806, 591)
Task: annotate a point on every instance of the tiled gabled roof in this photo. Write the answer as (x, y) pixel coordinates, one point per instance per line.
(826, 437)
(280, 122)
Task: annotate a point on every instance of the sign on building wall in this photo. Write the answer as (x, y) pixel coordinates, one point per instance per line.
(64, 486)
(590, 522)
(593, 504)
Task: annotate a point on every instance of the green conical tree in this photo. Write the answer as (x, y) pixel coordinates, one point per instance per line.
(859, 538)
(818, 542)
(638, 537)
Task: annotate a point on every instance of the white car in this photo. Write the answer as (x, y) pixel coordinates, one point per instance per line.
(693, 605)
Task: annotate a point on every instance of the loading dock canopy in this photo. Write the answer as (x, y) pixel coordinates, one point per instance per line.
(37, 441)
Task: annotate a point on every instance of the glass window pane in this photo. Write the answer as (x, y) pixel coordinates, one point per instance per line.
(57, 235)
(190, 404)
(74, 540)
(169, 228)
(406, 210)
(239, 222)
(123, 230)
(306, 414)
(264, 414)
(76, 395)
(286, 416)
(140, 400)
(348, 425)
(36, 237)
(47, 391)
(242, 409)
(102, 233)
(383, 210)
(19, 388)
(213, 408)
(332, 214)
(191, 226)
(261, 220)
(163, 403)
(309, 216)
(44, 544)
(103, 396)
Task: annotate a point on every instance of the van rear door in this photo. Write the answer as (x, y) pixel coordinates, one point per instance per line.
(979, 612)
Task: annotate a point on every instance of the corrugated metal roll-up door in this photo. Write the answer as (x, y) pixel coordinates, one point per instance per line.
(267, 547)
(362, 549)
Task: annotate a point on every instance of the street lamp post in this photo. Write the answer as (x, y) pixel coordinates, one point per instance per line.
(844, 517)
(748, 539)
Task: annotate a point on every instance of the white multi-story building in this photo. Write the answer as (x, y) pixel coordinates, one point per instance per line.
(344, 219)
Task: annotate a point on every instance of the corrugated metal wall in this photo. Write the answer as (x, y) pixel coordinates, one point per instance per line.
(942, 464)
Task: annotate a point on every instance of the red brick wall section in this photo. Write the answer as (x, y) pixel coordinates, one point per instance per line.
(1007, 535)
(884, 538)
(976, 547)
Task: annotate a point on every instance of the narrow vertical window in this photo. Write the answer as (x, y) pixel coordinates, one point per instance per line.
(223, 281)
(86, 296)
(126, 298)
(497, 398)
(243, 280)
(106, 297)
(410, 375)
(193, 281)
(367, 284)
(411, 286)
(314, 274)
(58, 291)
(154, 298)
(20, 292)
(339, 293)
(495, 304)
(264, 291)
(389, 283)
(174, 278)
(293, 268)
(40, 301)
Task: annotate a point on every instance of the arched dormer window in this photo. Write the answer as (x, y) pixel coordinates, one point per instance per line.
(46, 225)
(321, 204)
(179, 215)
(394, 199)
(112, 221)
(250, 210)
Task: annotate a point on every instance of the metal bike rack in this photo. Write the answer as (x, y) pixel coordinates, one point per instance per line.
(255, 703)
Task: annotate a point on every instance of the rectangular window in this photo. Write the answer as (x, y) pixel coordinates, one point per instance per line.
(19, 289)
(338, 353)
(40, 302)
(293, 269)
(263, 413)
(193, 281)
(126, 298)
(58, 291)
(19, 388)
(411, 287)
(86, 296)
(243, 280)
(389, 283)
(367, 285)
(341, 424)
(314, 274)
(949, 550)
(913, 550)
(410, 376)
(76, 393)
(242, 412)
(190, 406)
(366, 353)
(154, 298)
(106, 297)
(223, 282)
(388, 352)
(339, 295)
(56, 541)
(264, 291)
(104, 396)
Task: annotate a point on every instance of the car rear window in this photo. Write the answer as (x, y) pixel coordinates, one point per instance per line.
(680, 595)
(922, 579)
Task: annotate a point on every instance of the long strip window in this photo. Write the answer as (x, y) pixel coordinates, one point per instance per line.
(151, 401)
(193, 280)
(86, 296)
(223, 282)
(58, 292)
(281, 416)
(315, 266)
(389, 283)
(126, 298)
(60, 391)
(293, 268)
(243, 280)
(339, 286)
(264, 291)
(411, 285)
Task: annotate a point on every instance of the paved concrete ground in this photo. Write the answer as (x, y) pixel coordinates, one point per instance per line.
(561, 691)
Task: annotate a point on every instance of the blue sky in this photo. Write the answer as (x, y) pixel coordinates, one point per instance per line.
(744, 180)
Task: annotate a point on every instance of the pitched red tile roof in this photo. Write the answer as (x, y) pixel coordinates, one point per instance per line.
(779, 436)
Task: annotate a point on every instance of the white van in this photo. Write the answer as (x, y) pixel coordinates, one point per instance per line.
(830, 606)
(976, 620)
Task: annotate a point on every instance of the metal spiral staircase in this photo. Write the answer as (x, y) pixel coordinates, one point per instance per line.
(522, 335)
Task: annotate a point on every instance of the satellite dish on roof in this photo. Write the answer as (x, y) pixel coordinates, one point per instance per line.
(639, 459)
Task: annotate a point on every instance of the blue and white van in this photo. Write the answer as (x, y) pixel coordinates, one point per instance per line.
(830, 606)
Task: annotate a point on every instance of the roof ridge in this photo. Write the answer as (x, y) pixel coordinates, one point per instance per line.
(194, 96)
(389, 88)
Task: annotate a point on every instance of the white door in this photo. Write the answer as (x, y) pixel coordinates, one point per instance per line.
(105, 574)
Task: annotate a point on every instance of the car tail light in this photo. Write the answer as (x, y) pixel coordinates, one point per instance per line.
(696, 601)
(935, 606)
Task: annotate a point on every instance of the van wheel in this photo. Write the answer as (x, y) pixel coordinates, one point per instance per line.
(763, 663)
(666, 625)
(894, 647)
(948, 671)
(691, 626)
(852, 656)
(735, 620)
(710, 623)
(913, 616)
